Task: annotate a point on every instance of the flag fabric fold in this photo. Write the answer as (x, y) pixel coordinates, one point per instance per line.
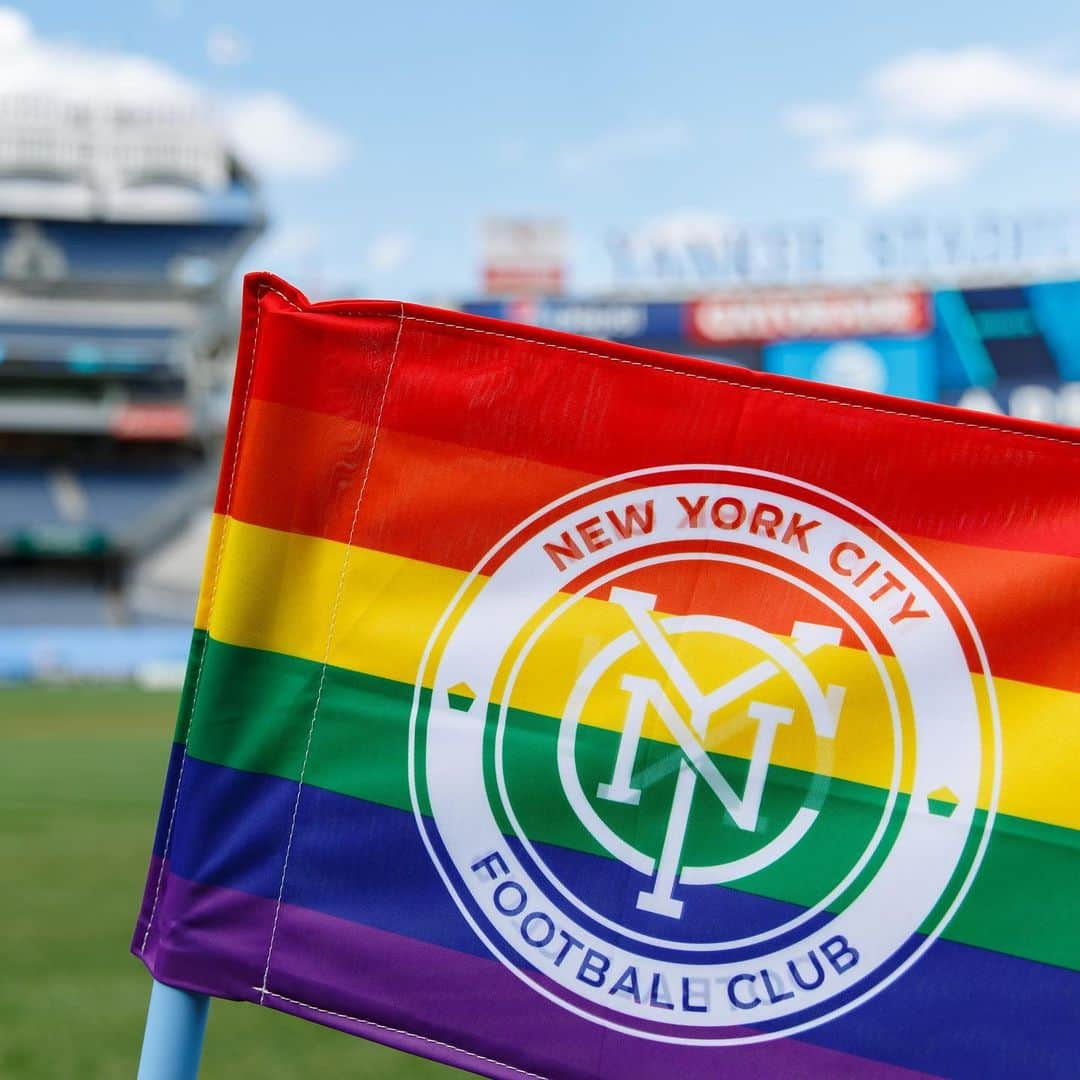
(562, 709)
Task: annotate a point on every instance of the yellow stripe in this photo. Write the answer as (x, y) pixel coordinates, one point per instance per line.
(276, 591)
(210, 570)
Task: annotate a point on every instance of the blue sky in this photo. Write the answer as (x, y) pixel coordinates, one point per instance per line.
(384, 133)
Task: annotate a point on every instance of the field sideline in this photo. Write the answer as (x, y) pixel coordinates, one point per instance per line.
(80, 780)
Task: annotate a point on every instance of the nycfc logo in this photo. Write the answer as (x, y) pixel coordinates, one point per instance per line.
(645, 693)
(704, 754)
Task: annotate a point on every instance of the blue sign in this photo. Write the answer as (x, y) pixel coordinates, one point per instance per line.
(1056, 309)
(901, 366)
(616, 320)
(487, 309)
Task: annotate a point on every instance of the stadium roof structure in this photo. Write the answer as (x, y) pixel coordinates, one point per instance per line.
(119, 161)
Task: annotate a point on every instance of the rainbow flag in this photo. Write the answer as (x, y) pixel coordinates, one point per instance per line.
(563, 709)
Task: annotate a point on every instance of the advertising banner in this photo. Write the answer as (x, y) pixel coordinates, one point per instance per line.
(523, 256)
(616, 320)
(902, 366)
(788, 315)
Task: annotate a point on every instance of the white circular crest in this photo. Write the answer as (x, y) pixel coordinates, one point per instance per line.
(600, 902)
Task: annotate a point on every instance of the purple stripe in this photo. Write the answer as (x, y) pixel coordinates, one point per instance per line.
(455, 1008)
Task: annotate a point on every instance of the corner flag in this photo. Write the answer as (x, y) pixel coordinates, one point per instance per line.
(563, 709)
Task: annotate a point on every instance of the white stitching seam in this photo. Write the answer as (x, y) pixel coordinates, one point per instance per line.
(209, 613)
(718, 378)
(399, 1031)
(329, 641)
(263, 991)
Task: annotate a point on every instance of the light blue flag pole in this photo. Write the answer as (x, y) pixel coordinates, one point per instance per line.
(172, 1042)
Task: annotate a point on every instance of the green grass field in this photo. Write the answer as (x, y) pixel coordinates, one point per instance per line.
(81, 771)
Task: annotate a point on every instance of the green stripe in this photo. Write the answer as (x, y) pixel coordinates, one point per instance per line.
(199, 640)
(254, 710)
(847, 813)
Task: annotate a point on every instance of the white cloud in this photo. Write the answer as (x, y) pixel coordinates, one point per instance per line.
(818, 119)
(32, 65)
(943, 86)
(227, 48)
(277, 137)
(623, 145)
(887, 168)
(389, 252)
(14, 29)
(266, 129)
(891, 142)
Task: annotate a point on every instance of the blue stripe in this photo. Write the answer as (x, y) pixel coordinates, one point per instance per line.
(172, 774)
(350, 858)
(960, 1011)
(739, 913)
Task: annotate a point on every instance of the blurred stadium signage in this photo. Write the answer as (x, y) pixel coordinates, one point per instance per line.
(787, 315)
(715, 253)
(618, 320)
(523, 256)
(621, 321)
(718, 254)
(1049, 401)
(152, 420)
(991, 242)
(900, 366)
(67, 541)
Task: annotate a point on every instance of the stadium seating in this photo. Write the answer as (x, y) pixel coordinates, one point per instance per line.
(116, 500)
(88, 348)
(26, 501)
(113, 504)
(90, 250)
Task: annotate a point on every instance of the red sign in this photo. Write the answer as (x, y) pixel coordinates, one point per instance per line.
(152, 420)
(779, 316)
(518, 281)
(523, 256)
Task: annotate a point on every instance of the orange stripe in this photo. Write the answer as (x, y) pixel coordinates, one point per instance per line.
(425, 499)
(1026, 607)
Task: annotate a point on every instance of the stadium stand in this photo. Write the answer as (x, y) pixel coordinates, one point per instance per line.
(143, 253)
(26, 501)
(88, 348)
(165, 585)
(116, 348)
